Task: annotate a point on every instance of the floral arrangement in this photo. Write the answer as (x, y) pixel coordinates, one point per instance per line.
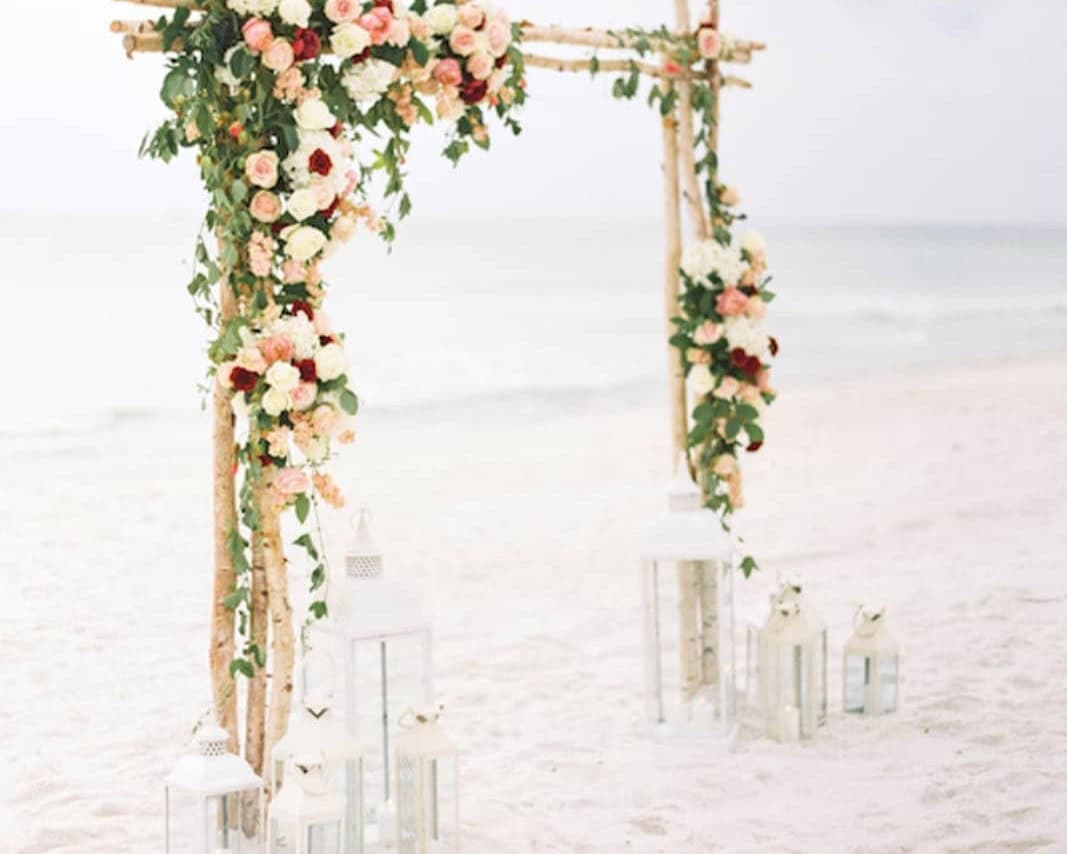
(295, 107)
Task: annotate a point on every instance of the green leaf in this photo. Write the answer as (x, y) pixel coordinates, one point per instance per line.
(349, 402)
(749, 566)
(704, 413)
(303, 507)
(747, 412)
(242, 666)
(236, 599)
(319, 610)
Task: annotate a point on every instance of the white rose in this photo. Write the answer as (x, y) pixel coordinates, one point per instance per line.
(313, 114)
(442, 19)
(753, 243)
(303, 204)
(349, 39)
(369, 80)
(749, 335)
(296, 13)
(331, 362)
(701, 381)
(283, 377)
(316, 450)
(276, 401)
(240, 406)
(304, 243)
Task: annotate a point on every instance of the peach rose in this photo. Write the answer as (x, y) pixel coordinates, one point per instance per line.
(728, 388)
(729, 196)
(278, 442)
(696, 356)
(289, 84)
(463, 41)
(731, 302)
(326, 420)
(257, 34)
(329, 490)
(708, 43)
(291, 481)
(707, 333)
(343, 228)
(470, 15)
(266, 206)
(279, 57)
(480, 66)
(399, 33)
(276, 348)
(292, 271)
(756, 308)
(750, 394)
(499, 38)
(724, 466)
(340, 11)
(448, 72)
(262, 169)
(377, 22)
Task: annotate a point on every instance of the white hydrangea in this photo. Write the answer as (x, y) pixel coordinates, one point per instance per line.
(262, 8)
(702, 259)
(701, 380)
(369, 80)
(296, 165)
(301, 332)
(296, 13)
(749, 335)
(331, 362)
(753, 243)
(441, 19)
(303, 204)
(313, 114)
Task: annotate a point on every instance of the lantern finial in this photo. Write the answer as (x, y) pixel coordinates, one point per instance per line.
(363, 559)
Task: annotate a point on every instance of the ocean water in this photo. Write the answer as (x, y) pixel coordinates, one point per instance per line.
(100, 329)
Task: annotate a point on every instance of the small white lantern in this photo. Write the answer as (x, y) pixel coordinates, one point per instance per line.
(872, 666)
(790, 649)
(790, 592)
(381, 634)
(427, 791)
(315, 732)
(213, 800)
(689, 620)
(306, 817)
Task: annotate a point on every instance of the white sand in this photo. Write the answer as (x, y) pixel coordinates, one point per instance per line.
(941, 495)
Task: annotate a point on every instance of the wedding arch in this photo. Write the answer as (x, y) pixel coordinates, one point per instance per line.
(300, 112)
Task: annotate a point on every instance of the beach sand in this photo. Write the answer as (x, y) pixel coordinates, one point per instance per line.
(941, 494)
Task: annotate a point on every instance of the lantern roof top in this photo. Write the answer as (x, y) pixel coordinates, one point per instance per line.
(422, 737)
(316, 731)
(212, 770)
(871, 634)
(687, 530)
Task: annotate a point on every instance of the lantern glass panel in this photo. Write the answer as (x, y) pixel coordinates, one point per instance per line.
(789, 707)
(427, 805)
(821, 686)
(206, 825)
(888, 672)
(690, 664)
(324, 838)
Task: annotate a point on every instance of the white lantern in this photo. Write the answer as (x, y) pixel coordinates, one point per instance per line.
(689, 620)
(306, 816)
(213, 800)
(381, 634)
(790, 649)
(427, 790)
(872, 666)
(315, 732)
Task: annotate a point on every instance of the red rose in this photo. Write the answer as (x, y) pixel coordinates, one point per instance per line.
(388, 4)
(739, 357)
(243, 380)
(502, 61)
(265, 460)
(755, 446)
(473, 91)
(306, 44)
(774, 346)
(301, 307)
(320, 162)
(332, 209)
(307, 370)
(337, 130)
(360, 58)
(325, 339)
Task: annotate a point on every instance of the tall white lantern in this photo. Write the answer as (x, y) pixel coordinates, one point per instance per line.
(213, 800)
(689, 620)
(381, 635)
(427, 792)
(872, 666)
(306, 816)
(790, 649)
(315, 732)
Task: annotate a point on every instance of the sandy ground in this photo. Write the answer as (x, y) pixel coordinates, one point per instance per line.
(941, 494)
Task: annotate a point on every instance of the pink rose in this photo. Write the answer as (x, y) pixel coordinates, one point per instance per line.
(707, 333)
(324, 192)
(291, 481)
(322, 323)
(257, 34)
(278, 57)
(314, 275)
(262, 169)
(756, 308)
(763, 380)
(266, 207)
(728, 388)
(377, 22)
(351, 182)
(292, 273)
(499, 38)
(463, 41)
(326, 420)
(276, 348)
(340, 11)
(708, 43)
(480, 66)
(303, 396)
(731, 302)
(750, 393)
(399, 33)
(729, 196)
(470, 15)
(448, 72)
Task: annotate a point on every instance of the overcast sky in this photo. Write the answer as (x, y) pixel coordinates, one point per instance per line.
(903, 110)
